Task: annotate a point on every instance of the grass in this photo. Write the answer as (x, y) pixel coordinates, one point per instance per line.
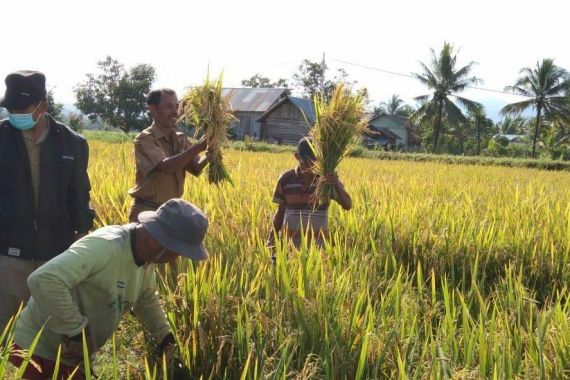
(439, 271)
(358, 151)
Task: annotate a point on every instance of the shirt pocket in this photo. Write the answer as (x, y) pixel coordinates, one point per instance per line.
(64, 168)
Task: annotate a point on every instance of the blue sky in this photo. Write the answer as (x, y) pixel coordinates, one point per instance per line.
(181, 39)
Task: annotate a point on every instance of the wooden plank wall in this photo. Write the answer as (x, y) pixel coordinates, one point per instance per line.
(286, 124)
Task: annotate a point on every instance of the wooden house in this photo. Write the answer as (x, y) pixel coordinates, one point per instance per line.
(248, 104)
(287, 121)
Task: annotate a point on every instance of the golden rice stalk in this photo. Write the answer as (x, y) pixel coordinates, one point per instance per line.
(338, 124)
(205, 108)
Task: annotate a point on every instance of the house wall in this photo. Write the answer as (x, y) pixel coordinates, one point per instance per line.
(394, 127)
(246, 125)
(286, 124)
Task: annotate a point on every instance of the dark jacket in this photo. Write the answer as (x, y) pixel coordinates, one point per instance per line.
(40, 233)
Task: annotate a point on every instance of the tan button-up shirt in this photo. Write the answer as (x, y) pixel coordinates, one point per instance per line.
(34, 148)
(151, 147)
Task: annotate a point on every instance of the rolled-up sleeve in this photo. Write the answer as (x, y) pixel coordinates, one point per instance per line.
(147, 154)
(279, 193)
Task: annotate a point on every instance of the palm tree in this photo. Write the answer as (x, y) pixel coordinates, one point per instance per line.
(547, 88)
(482, 124)
(512, 125)
(445, 81)
(394, 106)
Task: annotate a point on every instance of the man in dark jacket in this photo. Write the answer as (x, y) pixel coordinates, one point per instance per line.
(44, 187)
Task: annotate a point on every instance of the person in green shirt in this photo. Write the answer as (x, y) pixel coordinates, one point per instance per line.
(90, 286)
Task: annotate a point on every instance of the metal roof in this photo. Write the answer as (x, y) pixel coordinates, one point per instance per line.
(252, 99)
(306, 106)
(404, 121)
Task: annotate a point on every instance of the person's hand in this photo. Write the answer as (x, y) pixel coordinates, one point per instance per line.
(175, 367)
(72, 348)
(331, 179)
(202, 143)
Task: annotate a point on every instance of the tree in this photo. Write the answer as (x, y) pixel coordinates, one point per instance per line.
(311, 79)
(363, 92)
(394, 106)
(76, 122)
(445, 81)
(54, 108)
(512, 125)
(482, 125)
(259, 81)
(547, 88)
(116, 95)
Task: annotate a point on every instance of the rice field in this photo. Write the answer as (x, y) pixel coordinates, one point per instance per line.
(438, 272)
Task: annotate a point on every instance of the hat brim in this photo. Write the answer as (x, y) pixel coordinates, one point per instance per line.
(11, 105)
(191, 251)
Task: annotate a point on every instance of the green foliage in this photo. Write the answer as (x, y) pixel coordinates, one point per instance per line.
(547, 89)
(54, 108)
(116, 95)
(444, 80)
(513, 125)
(481, 125)
(259, 81)
(76, 122)
(311, 79)
(394, 106)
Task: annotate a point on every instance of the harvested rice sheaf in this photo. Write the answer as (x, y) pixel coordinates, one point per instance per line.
(205, 108)
(338, 125)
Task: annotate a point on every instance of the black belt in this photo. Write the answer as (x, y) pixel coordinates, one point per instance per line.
(150, 204)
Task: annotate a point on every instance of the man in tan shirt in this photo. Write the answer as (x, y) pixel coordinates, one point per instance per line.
(163, 156)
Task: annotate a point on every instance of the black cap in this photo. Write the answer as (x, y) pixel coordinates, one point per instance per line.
(23, 88)
(305, 150)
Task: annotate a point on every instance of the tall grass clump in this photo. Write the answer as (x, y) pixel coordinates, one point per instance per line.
(205, 108)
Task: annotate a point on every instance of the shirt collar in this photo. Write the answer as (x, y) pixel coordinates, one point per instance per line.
(159, 133)
(133, 230)
(28, 134)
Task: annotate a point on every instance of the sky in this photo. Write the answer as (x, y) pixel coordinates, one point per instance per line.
(181, 39)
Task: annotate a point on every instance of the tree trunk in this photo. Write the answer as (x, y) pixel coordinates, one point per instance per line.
(437, 126)
(478, 137)
(536, 127)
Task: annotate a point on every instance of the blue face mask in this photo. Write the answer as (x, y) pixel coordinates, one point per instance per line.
(23, 121)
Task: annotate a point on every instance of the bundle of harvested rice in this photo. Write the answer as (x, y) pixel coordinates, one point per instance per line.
(338, 124)
(205, 108)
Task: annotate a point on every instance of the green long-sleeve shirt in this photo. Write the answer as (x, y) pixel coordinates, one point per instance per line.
(91, 284)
